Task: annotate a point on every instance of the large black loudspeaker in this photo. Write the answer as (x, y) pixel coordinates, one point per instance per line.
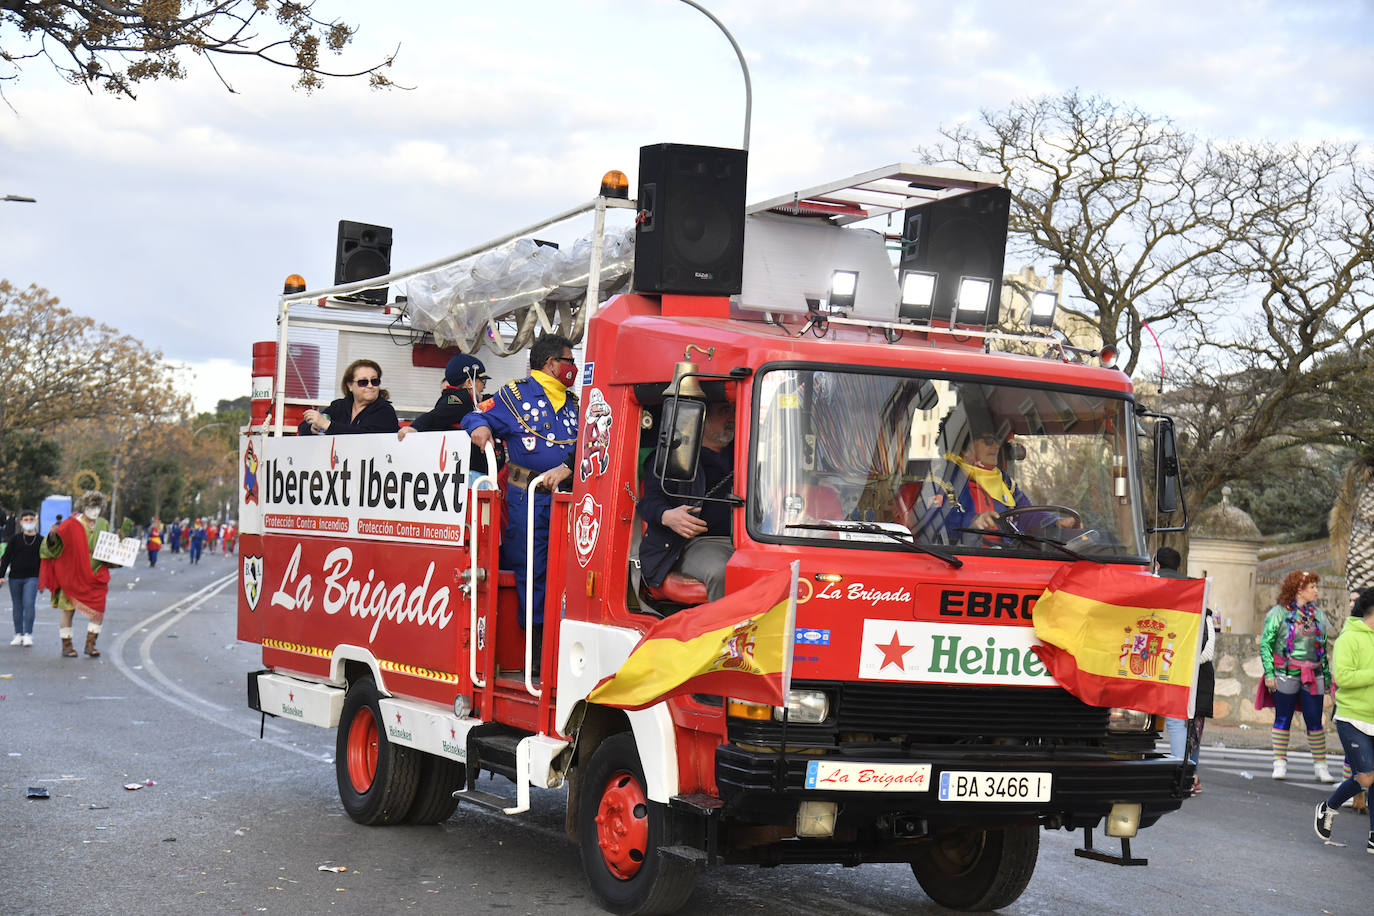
(957, 237)
(690, 233)
(363, 252)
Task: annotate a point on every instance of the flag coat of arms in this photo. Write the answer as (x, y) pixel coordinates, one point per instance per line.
(1120, 638)
(739, 646)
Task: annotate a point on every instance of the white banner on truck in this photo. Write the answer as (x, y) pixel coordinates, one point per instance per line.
(363, 486)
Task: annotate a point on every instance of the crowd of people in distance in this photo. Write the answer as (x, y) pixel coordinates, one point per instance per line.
(195, 537)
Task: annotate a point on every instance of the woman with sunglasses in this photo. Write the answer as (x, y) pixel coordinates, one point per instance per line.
(364, 408)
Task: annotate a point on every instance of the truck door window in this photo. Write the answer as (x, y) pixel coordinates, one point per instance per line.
(926, 457)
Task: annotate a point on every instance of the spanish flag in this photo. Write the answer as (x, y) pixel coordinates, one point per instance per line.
(1121, 638)
(739, 646)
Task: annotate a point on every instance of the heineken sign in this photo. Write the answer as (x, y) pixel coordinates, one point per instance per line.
(904, 650)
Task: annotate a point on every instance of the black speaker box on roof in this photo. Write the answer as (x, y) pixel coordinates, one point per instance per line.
(363, 252)
(690, 234)
(960, 236)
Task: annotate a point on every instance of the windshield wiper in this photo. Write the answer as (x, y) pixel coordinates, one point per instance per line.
(1029, 539)
(899, 537)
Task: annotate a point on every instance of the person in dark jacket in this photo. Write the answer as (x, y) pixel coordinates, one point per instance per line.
(684, 532)
(464, 381)
(364, 408)
(21, 563)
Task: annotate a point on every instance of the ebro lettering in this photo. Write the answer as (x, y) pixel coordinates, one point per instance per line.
(957, 603)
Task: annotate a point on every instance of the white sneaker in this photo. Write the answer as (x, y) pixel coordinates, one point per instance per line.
(18, 640)
(1322, 773)
(1280, 768)
(28, 639)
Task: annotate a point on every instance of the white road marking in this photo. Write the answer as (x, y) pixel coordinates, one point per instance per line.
(174, 693)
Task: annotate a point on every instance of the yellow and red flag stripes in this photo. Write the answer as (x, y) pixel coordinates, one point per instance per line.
(739, 646)
(1118, 637)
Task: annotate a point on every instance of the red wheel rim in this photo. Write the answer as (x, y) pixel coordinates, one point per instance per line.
(362, 750)
(622, 825)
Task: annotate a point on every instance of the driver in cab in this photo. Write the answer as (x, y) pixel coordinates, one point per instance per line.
(977, 489)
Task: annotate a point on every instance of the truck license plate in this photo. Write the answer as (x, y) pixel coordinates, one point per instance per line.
(978, 786)
(849, 776)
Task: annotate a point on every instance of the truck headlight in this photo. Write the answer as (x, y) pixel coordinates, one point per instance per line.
(808, 707)
(1130, 720)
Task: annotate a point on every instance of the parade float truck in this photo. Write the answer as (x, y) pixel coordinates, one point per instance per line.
(920, 725)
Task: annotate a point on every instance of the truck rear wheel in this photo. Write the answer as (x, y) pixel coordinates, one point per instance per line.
(376, 778)
(977, 869)
(434, 801)
(620, 833)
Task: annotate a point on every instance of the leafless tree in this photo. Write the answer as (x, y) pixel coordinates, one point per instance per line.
(1258, 258)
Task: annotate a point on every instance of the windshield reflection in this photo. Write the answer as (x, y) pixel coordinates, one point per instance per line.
(969, 466)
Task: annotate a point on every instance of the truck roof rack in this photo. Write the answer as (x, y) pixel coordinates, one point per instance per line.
(878, 192)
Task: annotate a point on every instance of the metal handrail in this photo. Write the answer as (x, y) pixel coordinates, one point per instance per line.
(472, 552)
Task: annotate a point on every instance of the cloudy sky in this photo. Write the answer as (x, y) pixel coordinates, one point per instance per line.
(175, 217)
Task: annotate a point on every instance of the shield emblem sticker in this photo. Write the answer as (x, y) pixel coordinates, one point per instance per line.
(252, 581)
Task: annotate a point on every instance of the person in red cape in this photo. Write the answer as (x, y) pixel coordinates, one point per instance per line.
(78, 582)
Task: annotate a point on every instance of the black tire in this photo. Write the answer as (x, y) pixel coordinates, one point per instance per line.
(620, 855)
(977, 870)
(440, 777)
(376, 778)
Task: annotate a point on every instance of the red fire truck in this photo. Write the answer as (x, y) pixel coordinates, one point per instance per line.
(920, 726)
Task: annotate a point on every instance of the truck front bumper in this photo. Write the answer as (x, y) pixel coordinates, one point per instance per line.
(756, 787)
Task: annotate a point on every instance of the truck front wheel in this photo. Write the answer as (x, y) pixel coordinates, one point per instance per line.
(977, 869)
(620, 833)
(376, 778)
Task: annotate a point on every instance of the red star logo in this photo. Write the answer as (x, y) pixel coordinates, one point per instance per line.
(453, 733)
(291, 697)
(398, 718)
(893, 652)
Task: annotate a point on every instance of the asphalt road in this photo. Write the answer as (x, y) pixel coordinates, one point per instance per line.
(227, 823)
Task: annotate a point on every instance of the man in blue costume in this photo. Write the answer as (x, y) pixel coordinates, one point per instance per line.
(536, 418)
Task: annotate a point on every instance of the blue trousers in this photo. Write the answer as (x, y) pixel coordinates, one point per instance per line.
(513, 546)
(23, 592)
(1309, 703)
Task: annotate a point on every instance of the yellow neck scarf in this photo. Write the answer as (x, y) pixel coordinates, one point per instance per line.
(990, 479)
(556, 390)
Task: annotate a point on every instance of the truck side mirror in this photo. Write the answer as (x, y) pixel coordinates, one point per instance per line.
(1166, 467)
(679, 442)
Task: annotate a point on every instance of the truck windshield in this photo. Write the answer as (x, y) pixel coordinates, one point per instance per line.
(971, 466)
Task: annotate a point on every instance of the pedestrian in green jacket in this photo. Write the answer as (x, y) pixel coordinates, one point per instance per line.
(1353, 668)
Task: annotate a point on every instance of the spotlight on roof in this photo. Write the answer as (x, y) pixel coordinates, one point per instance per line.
(971, 307)
(843, 284)
(918, 296)
(1042, 306)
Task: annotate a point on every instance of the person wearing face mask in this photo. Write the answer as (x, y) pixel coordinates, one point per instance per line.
(21, 563)
(684, 531)
(465, 379)
(537, 419)
(364, 408)
(77, 580)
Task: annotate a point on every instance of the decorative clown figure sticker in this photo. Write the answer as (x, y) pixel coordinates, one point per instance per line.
(586, 528)
(596, 441)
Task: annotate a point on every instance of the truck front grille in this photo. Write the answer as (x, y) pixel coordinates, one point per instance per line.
(934, 713)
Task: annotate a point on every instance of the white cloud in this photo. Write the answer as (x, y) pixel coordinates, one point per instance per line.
(176, 217)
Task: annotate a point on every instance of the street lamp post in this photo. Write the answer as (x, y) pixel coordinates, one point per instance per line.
(748, 87)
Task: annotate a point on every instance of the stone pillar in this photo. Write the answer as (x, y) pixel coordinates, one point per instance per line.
(1231, 565)
(1223, 545)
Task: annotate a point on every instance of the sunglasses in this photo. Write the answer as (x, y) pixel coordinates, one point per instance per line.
(566, 359)
(364, 382)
